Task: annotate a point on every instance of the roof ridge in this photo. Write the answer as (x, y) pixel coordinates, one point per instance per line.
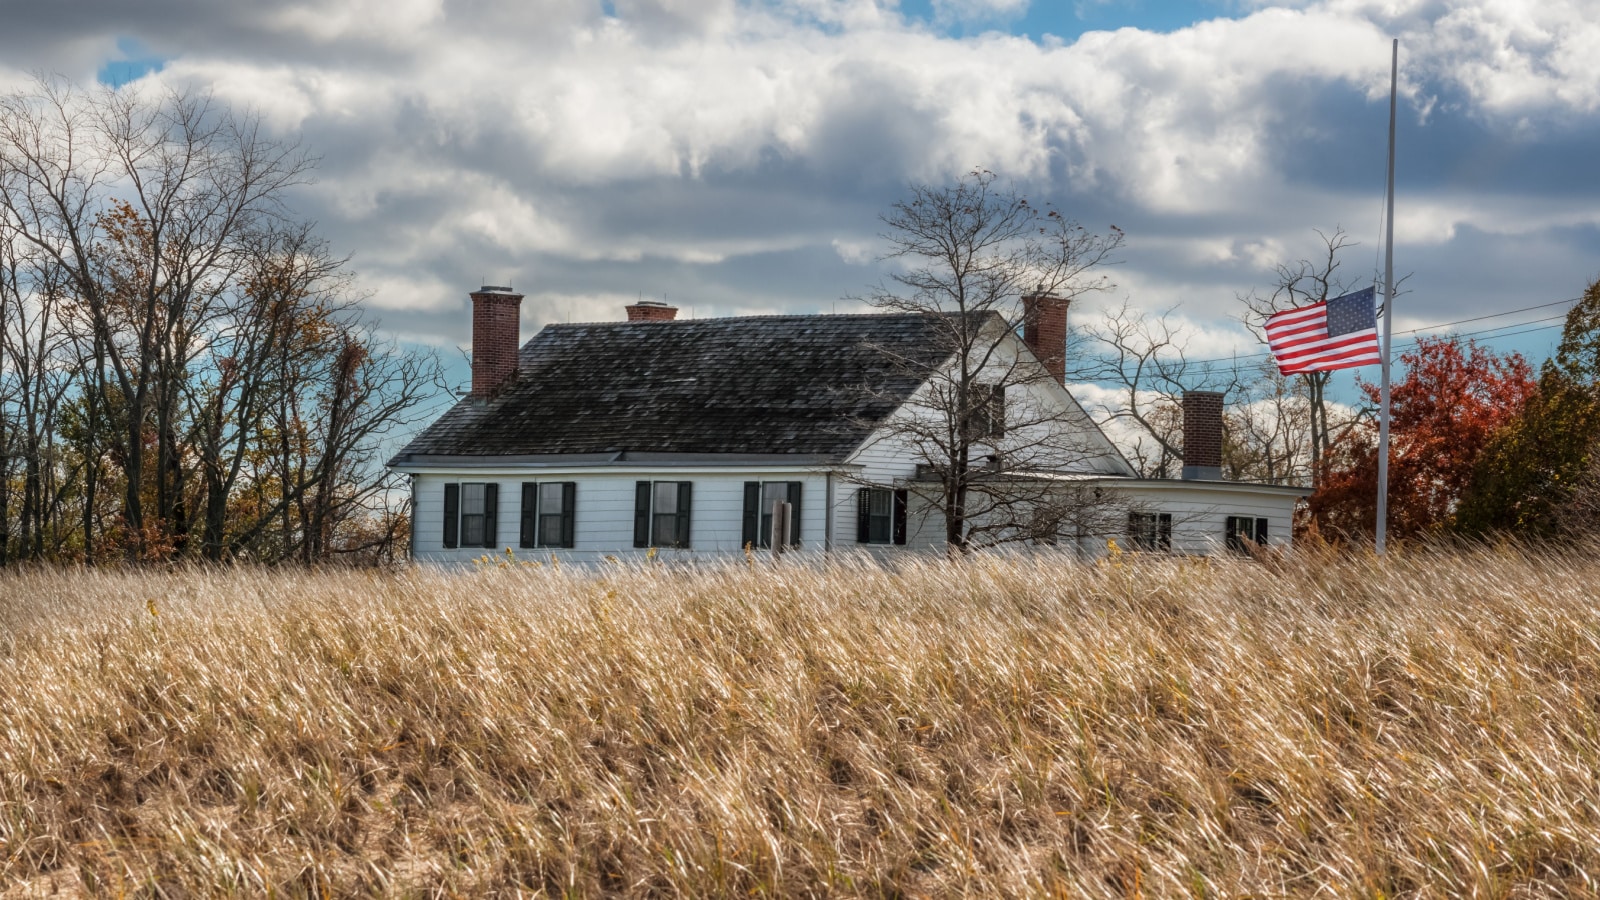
(763, 317)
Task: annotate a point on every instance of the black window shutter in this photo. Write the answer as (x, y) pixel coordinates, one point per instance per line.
(685, 495)
(641, 514)
(491, 512)
(794, 513)
(452, 514)
(900, 503)
(1165, 536)
(752, 514)
(569, 514)
(1261, 532)
(863, 515)
(530, 514)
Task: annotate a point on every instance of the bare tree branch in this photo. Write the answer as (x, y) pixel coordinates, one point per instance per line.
(980, 424)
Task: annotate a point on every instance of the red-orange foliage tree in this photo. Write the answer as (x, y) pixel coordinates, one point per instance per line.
(1454, 397)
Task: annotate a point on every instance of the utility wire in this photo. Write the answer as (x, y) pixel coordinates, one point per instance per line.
(1493, 315)
(1412, 344)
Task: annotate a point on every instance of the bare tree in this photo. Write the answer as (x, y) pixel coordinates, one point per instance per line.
(348, 392)
(993, 447)
(1144, 360)
(284, 299)
(175, 350)
(140, 199)
(1268, 430)
(1300, 283)
(37, 370)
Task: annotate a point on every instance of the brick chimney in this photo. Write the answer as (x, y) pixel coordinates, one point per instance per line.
(1044, 330)
(495, 333)
(1202, 436)
(651, 311)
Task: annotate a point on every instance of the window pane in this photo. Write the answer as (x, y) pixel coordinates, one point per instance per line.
(549, 529)
(880, 517)
(1142, 531)
(1237, 531)
(880, 529)
(994, 398)
(550, 498)
(666, 500)
(666, 529)
(472, 527)
(472, 501)
(771, 492)
(879, 503)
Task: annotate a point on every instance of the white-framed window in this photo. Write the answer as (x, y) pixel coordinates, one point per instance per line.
(760, 499)
(661, 513)
(470, 509)
(881, 516)
(549, 514)
(1240, 529)
(1150, 531)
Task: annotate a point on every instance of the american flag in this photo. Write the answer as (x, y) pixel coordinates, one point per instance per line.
(1335, 334)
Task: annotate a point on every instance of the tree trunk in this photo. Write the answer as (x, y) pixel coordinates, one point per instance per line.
(133, 470)
(216, 513)
(94, 395)
(31, 494)
(5, 494)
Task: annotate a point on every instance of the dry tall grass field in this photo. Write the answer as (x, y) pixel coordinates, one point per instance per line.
(1425, 726)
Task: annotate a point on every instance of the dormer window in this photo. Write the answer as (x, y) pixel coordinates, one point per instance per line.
(988, 411)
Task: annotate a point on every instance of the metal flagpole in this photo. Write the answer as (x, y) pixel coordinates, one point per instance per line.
(1388, 318)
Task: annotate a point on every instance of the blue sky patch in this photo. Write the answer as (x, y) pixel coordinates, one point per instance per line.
(134, 61)
(1069, 19)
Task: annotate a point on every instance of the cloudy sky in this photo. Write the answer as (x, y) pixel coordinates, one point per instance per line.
(732, 156)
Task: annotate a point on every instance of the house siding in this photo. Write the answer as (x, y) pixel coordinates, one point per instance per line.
(604, 511)
(1199, 516)
(605, 508)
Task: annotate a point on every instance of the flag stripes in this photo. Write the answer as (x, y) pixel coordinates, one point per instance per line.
(1336, 334)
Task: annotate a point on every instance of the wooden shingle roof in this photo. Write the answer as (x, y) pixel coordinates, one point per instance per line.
(807, 386)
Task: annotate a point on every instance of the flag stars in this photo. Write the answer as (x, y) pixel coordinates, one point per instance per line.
(1352, 312)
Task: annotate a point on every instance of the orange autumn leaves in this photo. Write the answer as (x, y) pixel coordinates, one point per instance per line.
(1454, 397)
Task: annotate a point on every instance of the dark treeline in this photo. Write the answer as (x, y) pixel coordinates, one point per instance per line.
(184, 373)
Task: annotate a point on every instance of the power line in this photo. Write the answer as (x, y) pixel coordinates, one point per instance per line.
(1555, 318)
(1493, 315)
(1514, 333)
(1410, 344)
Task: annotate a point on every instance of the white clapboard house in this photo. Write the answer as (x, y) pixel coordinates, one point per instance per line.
(701, 437)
